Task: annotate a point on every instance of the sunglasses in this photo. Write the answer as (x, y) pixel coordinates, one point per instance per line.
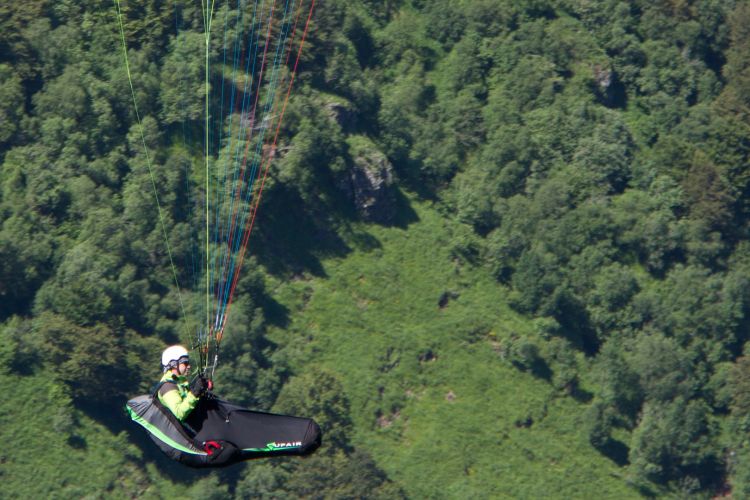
(184, 360)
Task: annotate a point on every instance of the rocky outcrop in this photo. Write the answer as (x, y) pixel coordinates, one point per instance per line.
(369, 186)
(603, 77)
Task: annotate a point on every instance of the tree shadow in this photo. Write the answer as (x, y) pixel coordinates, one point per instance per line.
(404, 214)
(615, 450)
(364, 241)
(274, 312)
(614, 96)
(711, 473)
(540, 369)
(414, 180)
(645, 491)
(576, 326)
(109, 413)
(292, 236)
(77, 442)
(581, 395)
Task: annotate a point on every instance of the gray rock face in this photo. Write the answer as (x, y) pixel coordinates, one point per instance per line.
(368, 186)
(603, 77)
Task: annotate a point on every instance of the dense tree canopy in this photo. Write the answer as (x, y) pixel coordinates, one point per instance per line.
(594, 154)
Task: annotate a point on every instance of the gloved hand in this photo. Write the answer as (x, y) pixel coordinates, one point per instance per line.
(199, 386)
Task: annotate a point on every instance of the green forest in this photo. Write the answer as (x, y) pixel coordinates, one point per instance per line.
(502, 251)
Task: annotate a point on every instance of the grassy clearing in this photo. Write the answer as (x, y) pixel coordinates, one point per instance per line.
(431, 395)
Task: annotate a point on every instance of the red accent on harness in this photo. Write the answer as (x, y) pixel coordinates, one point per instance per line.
(210, 447)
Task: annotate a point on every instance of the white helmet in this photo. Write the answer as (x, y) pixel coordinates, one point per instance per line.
(173, 356)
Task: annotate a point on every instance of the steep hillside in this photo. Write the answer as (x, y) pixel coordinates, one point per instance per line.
(503, 246)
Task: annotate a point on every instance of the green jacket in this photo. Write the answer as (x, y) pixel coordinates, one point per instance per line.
(176, 395)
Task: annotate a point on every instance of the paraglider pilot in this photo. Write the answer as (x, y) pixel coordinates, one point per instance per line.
(175, 391)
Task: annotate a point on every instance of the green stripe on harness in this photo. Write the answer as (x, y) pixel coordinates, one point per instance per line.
(155, 431)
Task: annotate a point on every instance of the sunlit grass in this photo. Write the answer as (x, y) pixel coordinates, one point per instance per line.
(432, 397)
